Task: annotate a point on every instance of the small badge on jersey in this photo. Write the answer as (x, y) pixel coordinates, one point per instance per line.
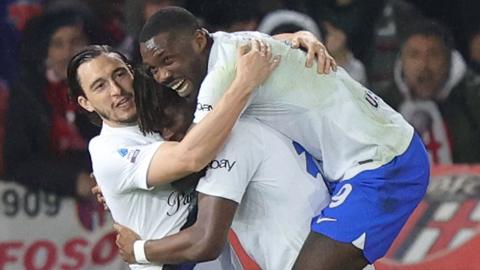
(129, 154)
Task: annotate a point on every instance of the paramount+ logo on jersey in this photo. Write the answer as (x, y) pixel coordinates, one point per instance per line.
(444, 231)
(222, 164)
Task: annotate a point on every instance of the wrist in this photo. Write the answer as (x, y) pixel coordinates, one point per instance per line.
(139, 252)
(243, 87)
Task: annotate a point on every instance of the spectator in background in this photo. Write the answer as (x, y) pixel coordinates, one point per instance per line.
(46, 139)
(474, 51)
(460, 16)
(230, 16)
(391, 26)
(337, 44)
(136, 13)
(356, 18)
(288, 21)
(437, 94)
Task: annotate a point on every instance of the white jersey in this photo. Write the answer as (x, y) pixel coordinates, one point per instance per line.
(343, 124)
(121, 157)
(278, 188)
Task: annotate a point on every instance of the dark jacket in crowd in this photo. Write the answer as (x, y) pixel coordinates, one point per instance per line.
(450, 124)
(28, 154)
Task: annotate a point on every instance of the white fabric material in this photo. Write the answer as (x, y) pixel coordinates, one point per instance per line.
(121, 157)
(334, 117)
(277, 196)
(427, 119)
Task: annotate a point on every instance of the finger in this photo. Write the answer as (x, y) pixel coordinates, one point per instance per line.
(269, 51)
(261, 44)
(295, 43)
(96, 189)
(328, 65)
(321, 61)
(117, 242)
(255, 43)
(310, 58)
(245, 48)
(334, 64)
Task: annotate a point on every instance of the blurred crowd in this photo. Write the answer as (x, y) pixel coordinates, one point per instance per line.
(421, 57)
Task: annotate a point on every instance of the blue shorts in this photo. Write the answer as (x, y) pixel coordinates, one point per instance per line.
(370, 209)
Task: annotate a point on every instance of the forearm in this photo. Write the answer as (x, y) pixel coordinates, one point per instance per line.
(185, 246)
(291, 36)
(204, 140)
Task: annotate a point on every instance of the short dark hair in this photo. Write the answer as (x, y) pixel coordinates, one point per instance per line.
(74, 88)
(430, 28)
(169, 19)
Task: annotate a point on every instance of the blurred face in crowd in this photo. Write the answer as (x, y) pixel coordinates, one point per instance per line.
(64, 43)
(475, 48)
(107, 82)
(425, 61)
(178, 61)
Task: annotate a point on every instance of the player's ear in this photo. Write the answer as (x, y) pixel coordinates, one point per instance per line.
(167, 134)
(85, 103)
(200, 40)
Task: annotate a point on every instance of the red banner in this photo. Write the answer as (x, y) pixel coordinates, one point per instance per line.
(443, 232)
(42, 232)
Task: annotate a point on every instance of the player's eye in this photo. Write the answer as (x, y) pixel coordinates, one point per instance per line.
(168, 60)
(120, 74)
(153, 70)
(99, 86)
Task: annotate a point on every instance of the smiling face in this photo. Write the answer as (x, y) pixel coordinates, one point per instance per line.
(178, 61)
(108, 86)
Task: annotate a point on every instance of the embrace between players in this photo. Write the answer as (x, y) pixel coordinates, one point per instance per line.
(305, 170)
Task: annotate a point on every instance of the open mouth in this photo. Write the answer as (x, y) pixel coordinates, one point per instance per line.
(179, 86)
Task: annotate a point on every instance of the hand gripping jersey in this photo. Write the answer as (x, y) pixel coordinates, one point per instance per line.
(341, 123)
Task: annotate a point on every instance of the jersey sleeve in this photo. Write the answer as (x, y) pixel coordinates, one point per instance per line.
(124, 168)
(212, 89)
(234, 167)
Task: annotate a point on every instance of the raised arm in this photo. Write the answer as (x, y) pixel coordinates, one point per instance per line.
(315, 49)
(202, 241)
(175, 160)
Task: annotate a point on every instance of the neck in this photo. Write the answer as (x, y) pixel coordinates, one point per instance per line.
(115, 124)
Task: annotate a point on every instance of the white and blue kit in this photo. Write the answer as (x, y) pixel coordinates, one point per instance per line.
(278, 189)
(346, 127)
